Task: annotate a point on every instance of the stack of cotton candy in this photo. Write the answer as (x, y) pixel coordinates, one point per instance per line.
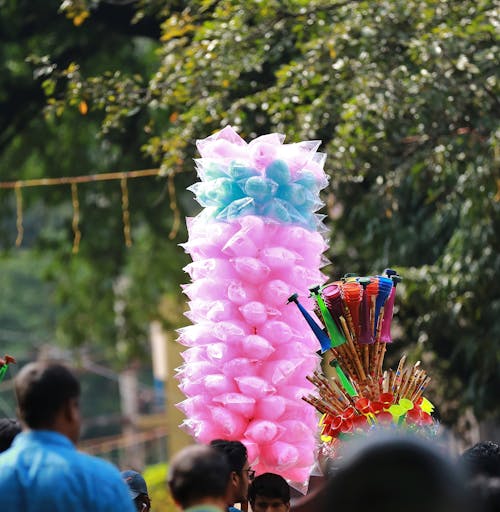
(265, 177)
(249, 353)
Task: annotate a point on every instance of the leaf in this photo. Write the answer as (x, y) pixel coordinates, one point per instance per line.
(83, 108)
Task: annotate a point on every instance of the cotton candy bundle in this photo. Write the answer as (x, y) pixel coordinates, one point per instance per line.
(257, 241)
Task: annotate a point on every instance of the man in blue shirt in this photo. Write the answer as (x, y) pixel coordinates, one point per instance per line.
(43, 471)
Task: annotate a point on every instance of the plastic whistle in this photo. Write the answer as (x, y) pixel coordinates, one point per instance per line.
(335, 335)
(323, 339)
(385, 336)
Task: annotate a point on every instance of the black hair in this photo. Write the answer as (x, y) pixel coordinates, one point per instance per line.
(9, 428)
(198, 472)
(269, 485)
(235, 452)
(140, 501)
(42, 390)
(398, 473)
(482, 459)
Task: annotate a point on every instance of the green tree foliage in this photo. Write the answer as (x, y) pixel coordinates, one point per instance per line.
(26, 318)
(87, 288)
(404, 96)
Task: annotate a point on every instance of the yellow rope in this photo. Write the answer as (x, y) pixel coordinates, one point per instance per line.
(74, 180)
(173, 206)
(19, 216)
(79, 179)
(125, 213)
(76, 218)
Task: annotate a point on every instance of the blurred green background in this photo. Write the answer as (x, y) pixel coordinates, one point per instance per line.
(403, 95)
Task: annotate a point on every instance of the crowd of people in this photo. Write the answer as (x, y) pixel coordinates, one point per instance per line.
(42, 471)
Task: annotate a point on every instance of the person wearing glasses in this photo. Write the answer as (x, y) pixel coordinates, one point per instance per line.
(241, 472)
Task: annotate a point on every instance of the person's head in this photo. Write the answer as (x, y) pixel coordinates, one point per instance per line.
(137, 489)
(48, 399)
(199, 475)
(269, 493)
(482, 459)
(9, 428)
(241, 473)
(398, 473)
